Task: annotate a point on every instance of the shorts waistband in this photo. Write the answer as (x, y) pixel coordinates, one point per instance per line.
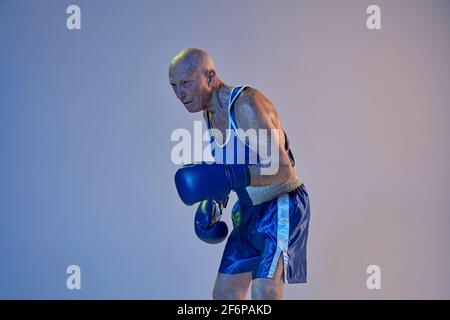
(255, 195)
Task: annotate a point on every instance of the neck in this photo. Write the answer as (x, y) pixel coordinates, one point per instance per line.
(219, 98)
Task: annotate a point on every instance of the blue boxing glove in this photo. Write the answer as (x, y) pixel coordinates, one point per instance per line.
(207, 224)
(198, 182)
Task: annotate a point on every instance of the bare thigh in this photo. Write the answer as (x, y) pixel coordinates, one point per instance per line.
(232, 286)
(269, 289)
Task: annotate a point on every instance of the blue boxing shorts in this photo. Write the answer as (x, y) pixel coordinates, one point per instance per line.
(263, 232)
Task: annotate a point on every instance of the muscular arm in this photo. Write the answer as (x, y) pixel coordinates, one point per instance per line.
(254, 111)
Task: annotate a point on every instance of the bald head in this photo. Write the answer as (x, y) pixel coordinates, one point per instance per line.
(192, 60)
(193, 78)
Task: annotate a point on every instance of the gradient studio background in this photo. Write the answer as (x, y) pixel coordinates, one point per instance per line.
(86, 118)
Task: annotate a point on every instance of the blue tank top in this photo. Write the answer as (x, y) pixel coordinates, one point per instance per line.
(235, 150)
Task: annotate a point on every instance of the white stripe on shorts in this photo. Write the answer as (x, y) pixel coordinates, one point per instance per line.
(282, 235)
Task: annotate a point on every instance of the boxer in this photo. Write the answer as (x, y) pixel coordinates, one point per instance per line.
(267, 246)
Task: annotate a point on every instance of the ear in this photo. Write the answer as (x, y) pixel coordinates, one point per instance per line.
(212, 77)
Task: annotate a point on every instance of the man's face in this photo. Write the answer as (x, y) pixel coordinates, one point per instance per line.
(191, 88)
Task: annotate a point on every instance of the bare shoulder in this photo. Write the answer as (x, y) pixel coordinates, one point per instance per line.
(253, 96)
(253, 104)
